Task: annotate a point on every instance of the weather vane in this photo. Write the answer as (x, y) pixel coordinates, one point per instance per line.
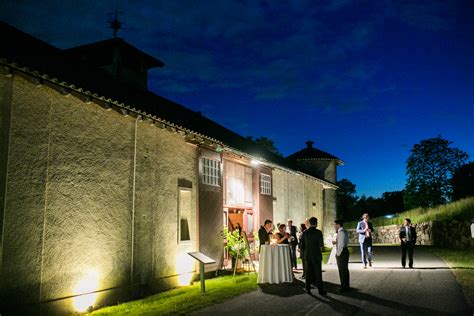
(115, 24)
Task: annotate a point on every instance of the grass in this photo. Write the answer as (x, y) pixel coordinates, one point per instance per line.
(462, 209)
(184, 300)
(326, 253)
(462, 264)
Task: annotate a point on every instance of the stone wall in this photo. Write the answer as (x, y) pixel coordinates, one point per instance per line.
(449, 233)
(90, 204)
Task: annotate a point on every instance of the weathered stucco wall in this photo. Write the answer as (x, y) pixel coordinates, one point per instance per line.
(26, 191)
(6, 90)
(329, 197)
(299, 197)
(90, 193)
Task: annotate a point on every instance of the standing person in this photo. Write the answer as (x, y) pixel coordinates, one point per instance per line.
(311, 243)
(332, 255)
(263, 233)
(281, 235)
(239, 229)
(293, 241)
(365, 231)
(342, 255)
(408, 241)
(302, 230)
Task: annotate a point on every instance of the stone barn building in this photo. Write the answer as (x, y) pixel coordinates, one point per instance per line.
(105, 186)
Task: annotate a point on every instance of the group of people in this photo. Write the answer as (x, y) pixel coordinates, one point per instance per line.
(407, 235)
(285, 234)
(310, 244)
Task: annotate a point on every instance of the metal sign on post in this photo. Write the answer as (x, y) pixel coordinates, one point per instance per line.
(203, 259)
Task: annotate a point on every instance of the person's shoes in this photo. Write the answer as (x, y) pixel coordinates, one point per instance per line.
(343, 290)
(365, 266)
(323, 293)
(411, 267)
(308, 291)
(403, 267)
(370, 263)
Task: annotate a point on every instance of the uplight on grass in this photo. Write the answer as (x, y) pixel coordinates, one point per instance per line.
(89, 283)
(184, 269)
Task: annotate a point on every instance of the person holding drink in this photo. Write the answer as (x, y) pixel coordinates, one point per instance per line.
(365, 231)
(282, 237)
(264, 233)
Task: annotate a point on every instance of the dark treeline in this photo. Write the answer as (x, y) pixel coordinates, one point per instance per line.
(350, 206)
(437, 173)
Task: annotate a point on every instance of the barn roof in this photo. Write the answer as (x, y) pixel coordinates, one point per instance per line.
(35, 57)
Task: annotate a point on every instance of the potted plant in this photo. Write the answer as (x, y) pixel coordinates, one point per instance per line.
(235, 245)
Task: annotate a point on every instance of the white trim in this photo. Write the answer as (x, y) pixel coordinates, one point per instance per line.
(265, 184)
(211, 171)
(190, 240)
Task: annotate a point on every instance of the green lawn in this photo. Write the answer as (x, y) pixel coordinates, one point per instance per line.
(462, 264)
(184, 300)
(325, 253)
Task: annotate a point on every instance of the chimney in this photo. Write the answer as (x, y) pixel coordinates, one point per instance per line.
(309, 144)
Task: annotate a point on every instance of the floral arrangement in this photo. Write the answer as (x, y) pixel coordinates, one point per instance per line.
(234, 243)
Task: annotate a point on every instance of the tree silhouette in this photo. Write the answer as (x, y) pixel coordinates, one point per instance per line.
(346, 200)
(266, 143)
(430, 167)
(463, 181)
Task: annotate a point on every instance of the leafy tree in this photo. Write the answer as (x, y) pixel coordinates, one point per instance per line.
(266, 143)
(463, 181)
(374, 206)
(430, 167)
(346, 199)
(393, 202)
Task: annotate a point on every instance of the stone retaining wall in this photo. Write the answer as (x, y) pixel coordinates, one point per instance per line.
(450, 234)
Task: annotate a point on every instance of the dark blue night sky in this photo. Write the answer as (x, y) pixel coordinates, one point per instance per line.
(365, 80)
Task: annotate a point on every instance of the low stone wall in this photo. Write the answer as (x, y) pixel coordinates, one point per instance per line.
(449, 234)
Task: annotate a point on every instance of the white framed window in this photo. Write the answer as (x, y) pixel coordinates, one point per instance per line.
(265, 184)
(211, 171)
(238, 184)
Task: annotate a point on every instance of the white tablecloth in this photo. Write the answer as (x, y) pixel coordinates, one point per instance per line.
(274, 264)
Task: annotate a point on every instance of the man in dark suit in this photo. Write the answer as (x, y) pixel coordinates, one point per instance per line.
(293, 242)
(311, 244)
(263, 232)
(408, 241)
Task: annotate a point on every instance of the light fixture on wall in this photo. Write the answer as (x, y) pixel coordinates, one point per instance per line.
(255, 162)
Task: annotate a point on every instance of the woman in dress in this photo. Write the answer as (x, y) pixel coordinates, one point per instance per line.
(281, 236)
(332, 255)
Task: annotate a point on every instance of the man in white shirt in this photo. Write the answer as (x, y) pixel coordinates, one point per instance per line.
(342, 255)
